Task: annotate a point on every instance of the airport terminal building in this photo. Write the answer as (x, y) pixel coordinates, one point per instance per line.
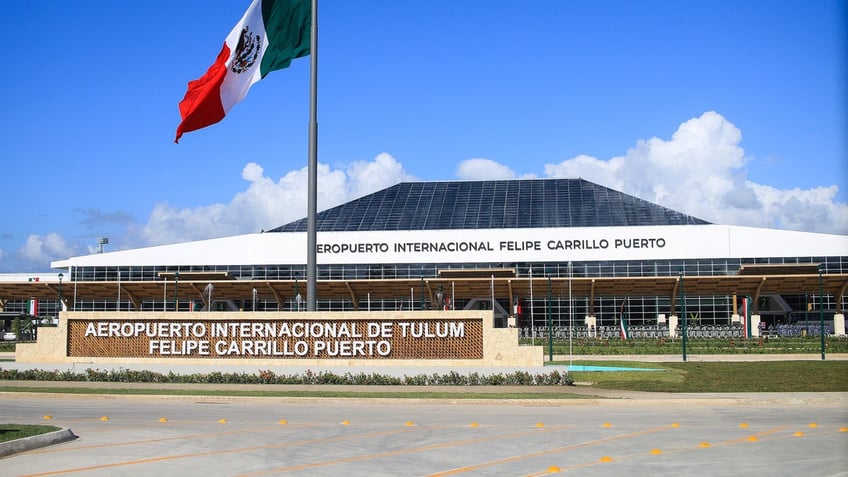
(532, 250)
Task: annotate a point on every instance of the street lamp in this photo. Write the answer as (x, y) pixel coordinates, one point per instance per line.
(550, 319)
(60, 293)
(101, 242)
(570, 317)
(683, 307)
(821, 312)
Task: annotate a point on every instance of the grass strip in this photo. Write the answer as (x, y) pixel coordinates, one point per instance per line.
(722, 377)
(11, 432)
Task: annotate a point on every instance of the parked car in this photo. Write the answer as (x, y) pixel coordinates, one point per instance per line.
(9, 336)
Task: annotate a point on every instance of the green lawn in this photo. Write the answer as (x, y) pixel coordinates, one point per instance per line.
(10, 432)
(721, 377)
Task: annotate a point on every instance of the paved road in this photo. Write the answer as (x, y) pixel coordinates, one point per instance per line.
(624, 432)
(636, 435)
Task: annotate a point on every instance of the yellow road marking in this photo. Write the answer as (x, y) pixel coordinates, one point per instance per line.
(554, 450)
(651, 452)
(147, 441)
(359, 458)
(214, 452)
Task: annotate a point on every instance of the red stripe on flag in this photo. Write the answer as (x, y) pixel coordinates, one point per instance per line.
(201, 105)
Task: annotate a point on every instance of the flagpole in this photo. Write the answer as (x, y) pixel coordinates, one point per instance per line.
(312, 205)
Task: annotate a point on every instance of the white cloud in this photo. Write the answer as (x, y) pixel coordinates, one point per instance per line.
(267, 203)
(366, 177)
(479, 169)
(41, 249)
(812, 209)
(701, 171)
(483, 169)
(589, 168)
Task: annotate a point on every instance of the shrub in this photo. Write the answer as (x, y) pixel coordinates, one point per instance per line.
(518, 378)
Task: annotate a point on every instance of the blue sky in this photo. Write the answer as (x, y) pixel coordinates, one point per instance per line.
(733, 111)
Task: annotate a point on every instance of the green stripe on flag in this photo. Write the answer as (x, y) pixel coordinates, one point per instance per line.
(287, 25)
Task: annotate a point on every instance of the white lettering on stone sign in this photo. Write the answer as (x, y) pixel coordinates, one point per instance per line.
(178, 348)
(352, 349)
(380, 330)
(285, 329)
(261, 348)
(109, 329)
(432, 330)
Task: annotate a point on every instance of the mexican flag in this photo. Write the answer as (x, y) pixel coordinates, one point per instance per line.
(623, 330)
(268, 37)
(32, 307)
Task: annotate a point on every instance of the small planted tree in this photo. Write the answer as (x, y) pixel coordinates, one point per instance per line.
(17, 327)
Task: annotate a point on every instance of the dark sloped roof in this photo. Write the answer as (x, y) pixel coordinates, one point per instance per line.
(535, 203)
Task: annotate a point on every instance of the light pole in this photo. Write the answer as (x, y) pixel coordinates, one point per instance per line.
(101, 242)
(492, 291)
(60, 294)
(683, 308)
(550, 320)
(821, 312)
(570, 319)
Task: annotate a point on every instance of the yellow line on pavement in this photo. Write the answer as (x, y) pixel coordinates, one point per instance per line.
(147, 441)
(740, 440)
(554, 450)
(216, 452)
(359, 458)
